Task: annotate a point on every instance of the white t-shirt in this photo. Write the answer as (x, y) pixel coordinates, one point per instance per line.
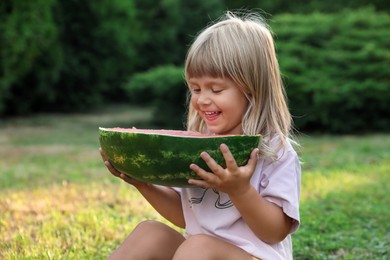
(207, 211)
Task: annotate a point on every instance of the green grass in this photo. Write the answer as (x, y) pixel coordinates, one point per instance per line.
(58, 201)
(345, 186)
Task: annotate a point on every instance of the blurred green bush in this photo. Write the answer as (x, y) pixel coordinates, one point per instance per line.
(30, 54)
(164, 88)
(64, 55)
(337, 69)
(75, 55)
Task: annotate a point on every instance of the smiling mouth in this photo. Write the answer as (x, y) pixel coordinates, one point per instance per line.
(210, 116)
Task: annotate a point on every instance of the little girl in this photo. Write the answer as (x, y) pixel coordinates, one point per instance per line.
(246, 212)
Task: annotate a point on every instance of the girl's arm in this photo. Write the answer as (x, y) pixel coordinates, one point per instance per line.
(264, 218)
(164, 200)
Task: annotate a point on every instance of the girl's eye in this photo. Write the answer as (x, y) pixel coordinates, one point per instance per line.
(216, 91)
(195, 90)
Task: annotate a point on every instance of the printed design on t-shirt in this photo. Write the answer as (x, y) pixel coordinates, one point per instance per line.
(219, 204)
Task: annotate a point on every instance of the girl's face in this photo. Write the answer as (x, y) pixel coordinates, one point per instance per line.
(220, 103)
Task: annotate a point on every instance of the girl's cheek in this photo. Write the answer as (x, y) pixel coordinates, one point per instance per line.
(194, 102)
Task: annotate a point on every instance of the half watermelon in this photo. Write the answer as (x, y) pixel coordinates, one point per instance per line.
(163, 157)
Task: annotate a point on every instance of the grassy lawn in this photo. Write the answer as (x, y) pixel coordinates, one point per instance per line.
(58, 201)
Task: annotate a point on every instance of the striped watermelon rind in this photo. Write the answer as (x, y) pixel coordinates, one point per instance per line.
(163, 157)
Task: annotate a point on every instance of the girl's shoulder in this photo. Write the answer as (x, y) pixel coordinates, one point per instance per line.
(278, 147)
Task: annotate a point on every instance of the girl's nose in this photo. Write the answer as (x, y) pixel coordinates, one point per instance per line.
(203, 99)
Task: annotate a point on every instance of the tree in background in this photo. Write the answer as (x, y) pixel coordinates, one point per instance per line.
(274, 7)
(167, 29)
(30, 55)
(337, 69)
(65, 55)
(99, 40)
(158, 34)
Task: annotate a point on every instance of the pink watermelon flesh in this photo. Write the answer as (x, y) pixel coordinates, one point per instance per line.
(165, 132)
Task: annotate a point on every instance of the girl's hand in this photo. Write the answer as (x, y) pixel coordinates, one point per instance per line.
(232, 180)
(117, 173)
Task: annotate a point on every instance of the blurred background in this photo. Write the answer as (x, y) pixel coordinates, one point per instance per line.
(69, 66)
(75, 56)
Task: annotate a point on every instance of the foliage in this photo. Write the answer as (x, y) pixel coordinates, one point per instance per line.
(196, 15)
(167, 29)
(72, 55)
(336, 69)
(98, 41)
(164, 87)
(30, 55)
(57, 200)
(275, 7)
(158, 32)
(64, 55)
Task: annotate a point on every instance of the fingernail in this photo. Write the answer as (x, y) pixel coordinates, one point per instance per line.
(203, 154)
(192, 166)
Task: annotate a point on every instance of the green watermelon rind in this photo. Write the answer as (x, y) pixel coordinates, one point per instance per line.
(164, 159)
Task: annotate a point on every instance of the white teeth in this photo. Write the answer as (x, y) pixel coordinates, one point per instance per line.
(210, 113)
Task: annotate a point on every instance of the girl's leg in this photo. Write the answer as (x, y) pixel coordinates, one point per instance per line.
(211, 248)
(149, 240)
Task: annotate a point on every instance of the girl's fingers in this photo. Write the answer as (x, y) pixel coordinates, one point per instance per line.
(252, 162)
(109, 166)
(115, 172)
(215, 168)
(112, 169)
(126, 178)
(199, 171)
(199, 183)
(227, 155)
(102, 154)
(205, 176)
(211, 163)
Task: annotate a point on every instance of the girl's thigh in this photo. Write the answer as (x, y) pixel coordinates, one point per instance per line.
(208, 247)
(149, 240)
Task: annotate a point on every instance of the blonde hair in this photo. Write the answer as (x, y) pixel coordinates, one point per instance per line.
(241, 48)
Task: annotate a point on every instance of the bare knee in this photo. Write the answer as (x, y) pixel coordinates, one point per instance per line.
(204, 246)
(149, 240)
(149, 225)
(198, 241)
(195, 246)
(155, 232)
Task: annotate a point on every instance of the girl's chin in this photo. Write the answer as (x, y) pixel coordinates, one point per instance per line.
(216, 131)
(213, 130)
